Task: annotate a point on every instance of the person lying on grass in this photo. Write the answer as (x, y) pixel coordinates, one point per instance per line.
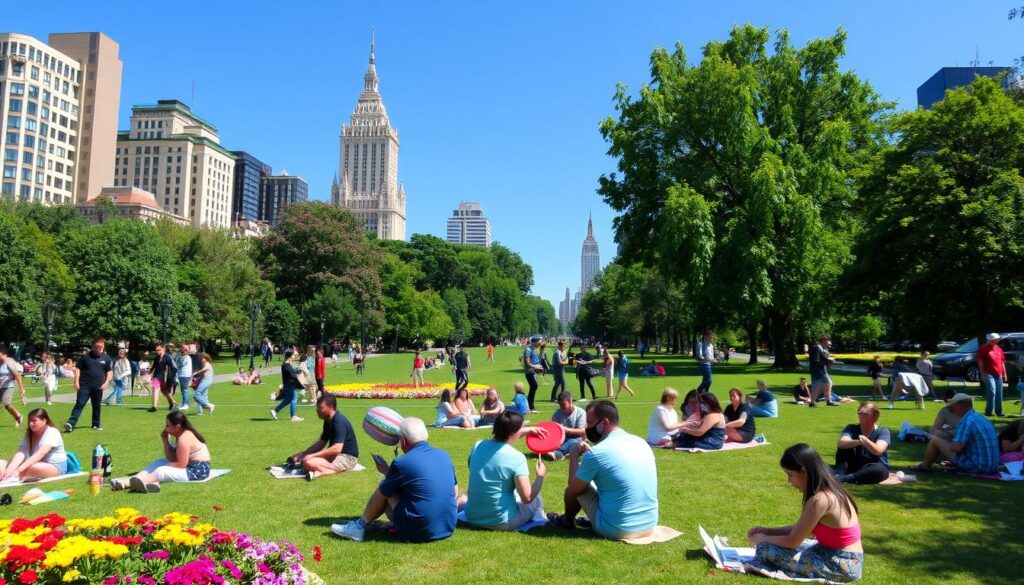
(336, 450)
(709, 432)
(974, 447)
(829, 513)
(613, 478)
(187, 459)
(862, 452)
(40, 454)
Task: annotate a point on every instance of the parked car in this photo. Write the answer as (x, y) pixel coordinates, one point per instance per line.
(947, 346)
(962, 362)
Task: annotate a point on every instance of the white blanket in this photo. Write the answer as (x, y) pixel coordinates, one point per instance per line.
(913, 381)
(16, 483)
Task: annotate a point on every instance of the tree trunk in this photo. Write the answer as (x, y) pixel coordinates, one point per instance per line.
(782, 339)
(752, 342)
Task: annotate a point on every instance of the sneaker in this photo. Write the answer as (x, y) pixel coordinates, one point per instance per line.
(760, 438)
(891, 406)
(48, 403)
(557, 455)
(183, 408)
(273, 414)
(297, 419)
(812, 404)
(310, 476)
(349, 530)
(97, 428)
(151, 409)
(171, 406)
(68, 427)
(211, 407)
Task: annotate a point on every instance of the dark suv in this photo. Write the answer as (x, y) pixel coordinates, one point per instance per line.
(962, 362)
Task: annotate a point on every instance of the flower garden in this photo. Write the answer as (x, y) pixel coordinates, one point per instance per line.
(174, 549)
(392, 391)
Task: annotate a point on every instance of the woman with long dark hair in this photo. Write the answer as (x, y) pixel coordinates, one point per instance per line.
(40, 454)
(187, 459)
(291, 383)
(829, 513)
(709, 432)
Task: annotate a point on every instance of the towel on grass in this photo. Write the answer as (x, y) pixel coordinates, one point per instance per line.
(730, 446)
(281, 473)
(214, 474)
(539, 519)
(33, 481)
(659, 534)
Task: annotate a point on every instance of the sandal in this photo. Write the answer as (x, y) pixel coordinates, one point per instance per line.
(560, 521)
(920, 467)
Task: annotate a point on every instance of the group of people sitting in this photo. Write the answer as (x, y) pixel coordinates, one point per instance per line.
(458, 409)
(705, 425)
(243, 378)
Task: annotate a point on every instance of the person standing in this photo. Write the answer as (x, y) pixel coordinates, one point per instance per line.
(122, 373)
(531, 366)
(164, 377)
(49, 375)
(583, 372)
(875, 371)
(238, 355)
(821, 383)
(705, 359)
(417, 369)
(558, 364)
(924, 367)
(490, 352)
(92, 376)
(462, 365)
(183, 363)
(10, 376)
(992, 370)
(320, 371)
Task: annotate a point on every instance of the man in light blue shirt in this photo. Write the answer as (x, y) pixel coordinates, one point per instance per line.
(615, 482)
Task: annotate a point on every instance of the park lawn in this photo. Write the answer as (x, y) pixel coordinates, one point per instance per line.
(940, 529)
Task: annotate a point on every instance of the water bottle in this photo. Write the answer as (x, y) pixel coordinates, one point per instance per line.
(96, 475)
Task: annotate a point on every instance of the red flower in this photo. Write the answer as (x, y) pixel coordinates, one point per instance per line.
(20, 556)
(318, 555)
(141, 520)
(217, 508)
(125, 540)
(28, 576)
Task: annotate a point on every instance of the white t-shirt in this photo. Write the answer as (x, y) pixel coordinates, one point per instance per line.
(51, 438)
(656, 430)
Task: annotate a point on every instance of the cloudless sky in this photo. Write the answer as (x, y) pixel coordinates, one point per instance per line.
(495, 102)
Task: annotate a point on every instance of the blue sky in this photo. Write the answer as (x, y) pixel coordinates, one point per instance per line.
(495, 102)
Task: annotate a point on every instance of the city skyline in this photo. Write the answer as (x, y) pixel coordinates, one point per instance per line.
(494, 104)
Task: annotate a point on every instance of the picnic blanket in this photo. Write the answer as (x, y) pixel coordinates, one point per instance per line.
(282, 473)
(730, 446)
(539, 519)
(735, 559)
(214, 474)
(34, 481)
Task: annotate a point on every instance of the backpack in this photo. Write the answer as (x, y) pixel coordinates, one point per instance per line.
(74, 465)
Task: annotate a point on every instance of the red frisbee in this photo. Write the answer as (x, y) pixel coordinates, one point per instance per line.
(551, 442)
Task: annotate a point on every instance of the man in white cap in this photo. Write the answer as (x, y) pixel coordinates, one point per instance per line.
(974, 447)
(992, 374)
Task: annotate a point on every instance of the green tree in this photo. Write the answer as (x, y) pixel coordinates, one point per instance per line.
(511, 265)
(738, 168)
(21, 293)
(337, 308)
(458, 311)
(281, 322)
(944, 206)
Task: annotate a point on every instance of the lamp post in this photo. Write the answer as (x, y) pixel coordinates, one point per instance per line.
(254, 315)
(323, 323)
(49, 315)
(165, 313)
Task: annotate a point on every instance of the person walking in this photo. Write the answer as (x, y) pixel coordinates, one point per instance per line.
(583, 372)
(622, 372)
(462, 365)
(205, 376)
(10, 376)
(92, 376)
(291, 382)
(531, 366)
(820, 359)
(609, 371)
(558, 364)
(320, 371)
(183, 363)
(122, 373)
(490, 352)
(164, 377)
(705, 359)
(992, 370)
(48, 373)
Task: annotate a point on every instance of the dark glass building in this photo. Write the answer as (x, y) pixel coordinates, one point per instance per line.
(935, 88)
(279, 190)
(249, 174)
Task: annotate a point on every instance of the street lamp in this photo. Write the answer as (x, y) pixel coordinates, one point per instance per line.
(323, 322)
(49, 314)
(165, 312)
(254, 314)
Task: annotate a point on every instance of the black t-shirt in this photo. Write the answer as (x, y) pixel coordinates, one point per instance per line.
(164, 370)
(880, 433)
(1010, 433)
(731, 414)
(93, 370)
(461, 360)
(197, 362)
(338, 430)
(875, 370)
(581, 370)
(238, 351)
(290, 376)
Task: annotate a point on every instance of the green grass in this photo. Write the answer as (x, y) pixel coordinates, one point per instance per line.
(941, 529)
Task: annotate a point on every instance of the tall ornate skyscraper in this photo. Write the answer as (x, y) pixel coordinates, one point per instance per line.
(590, 260)
(368, 165)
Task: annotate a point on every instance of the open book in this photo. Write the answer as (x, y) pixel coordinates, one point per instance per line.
(732, 558)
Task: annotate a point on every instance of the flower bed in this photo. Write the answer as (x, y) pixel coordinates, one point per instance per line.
(367, 390)
(174, 549)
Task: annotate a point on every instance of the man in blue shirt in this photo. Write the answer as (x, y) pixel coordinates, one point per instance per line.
(975, 445)
(417, 493)
(531, 365)
(705, 358)
(615, 481)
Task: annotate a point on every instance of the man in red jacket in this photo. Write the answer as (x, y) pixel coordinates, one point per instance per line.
(319, 371)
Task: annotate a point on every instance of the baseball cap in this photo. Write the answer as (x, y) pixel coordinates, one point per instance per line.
(961, 397)
(991, 336)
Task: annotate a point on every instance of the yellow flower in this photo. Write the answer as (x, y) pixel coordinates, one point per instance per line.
(175, 518)
(91, 523)
(126, 515)
(72, 575)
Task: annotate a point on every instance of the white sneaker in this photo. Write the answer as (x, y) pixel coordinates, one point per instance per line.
(273, 414)
(297, 419)
(183, 407)
(349, 530)
(211, 407)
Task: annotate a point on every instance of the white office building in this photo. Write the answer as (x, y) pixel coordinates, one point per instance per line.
(467, 225)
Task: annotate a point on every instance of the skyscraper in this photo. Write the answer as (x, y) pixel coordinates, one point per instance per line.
(948, 78)
(467, 225)
(368, 164)
(565, 308)
(590, 259)
(249, 174)
(277, 191)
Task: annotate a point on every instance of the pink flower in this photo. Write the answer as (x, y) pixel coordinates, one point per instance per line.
(157, 554)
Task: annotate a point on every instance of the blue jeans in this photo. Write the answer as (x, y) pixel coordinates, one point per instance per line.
(289, 402)
(185, 382)
(567, 444)
(705, 371)
(993, 394)
(200, 395)
(768, 410)
(117, 391)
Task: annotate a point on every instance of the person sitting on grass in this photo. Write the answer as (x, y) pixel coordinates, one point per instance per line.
(40, 454)
(709, 432)
(829, 513)
(417, 493)
(247, 379)
(1011, 442)
(573, 421)
(613, 478)
(974, 447)
(188, 459)
(464, 404)
(692, 408)
(664, 421)
(945, 421)
(739, 426)
(500, 495)
(520, 403)
(862, 455)
(491, 408)
(763, 402)
(802, 392)
(336, 450)
(448, 415)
